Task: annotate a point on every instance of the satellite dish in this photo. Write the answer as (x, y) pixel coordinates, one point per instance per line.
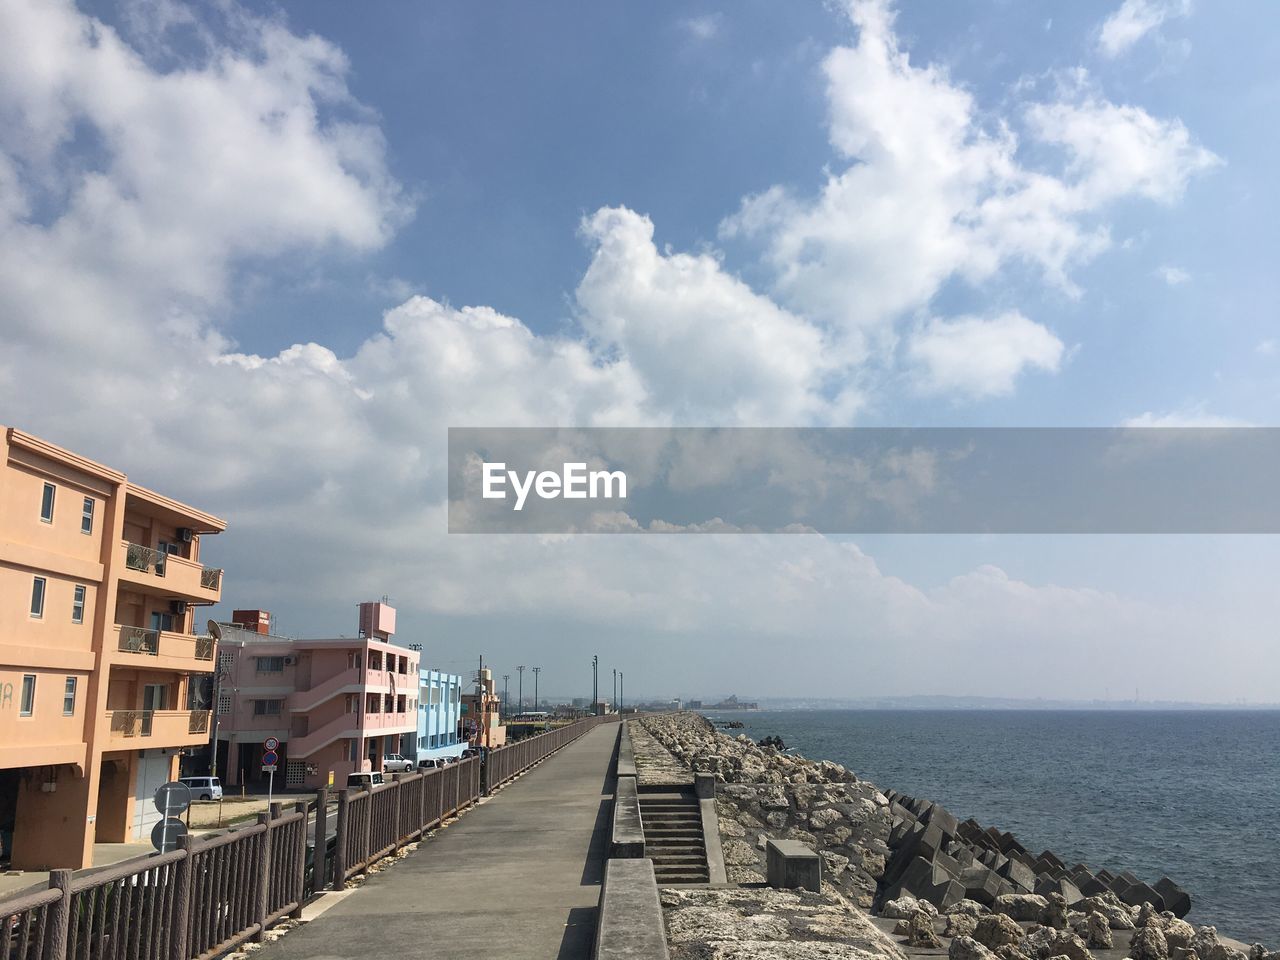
(215, 631)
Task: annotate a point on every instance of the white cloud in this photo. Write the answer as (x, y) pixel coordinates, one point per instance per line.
(934, 190)
(1194, 415)
(1266, 348)
(981, 357)
(1173, 276)
(704, 27)
(1134, 20)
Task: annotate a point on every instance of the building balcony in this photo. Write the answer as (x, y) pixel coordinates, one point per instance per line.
(163, 650)
(142, 729)
(168, 575)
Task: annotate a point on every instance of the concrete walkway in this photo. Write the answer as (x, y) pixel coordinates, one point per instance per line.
(517, 878)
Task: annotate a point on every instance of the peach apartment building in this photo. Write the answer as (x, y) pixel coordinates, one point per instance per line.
(100, 581)
(337, 705)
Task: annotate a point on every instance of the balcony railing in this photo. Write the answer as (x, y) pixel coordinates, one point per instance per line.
(166, 724)
(211, 578)
(144, 559)
(204, 648)
(140, 640)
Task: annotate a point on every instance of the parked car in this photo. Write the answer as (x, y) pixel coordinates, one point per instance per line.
(394, 763)
(204, 788)
(430, 764)
(358, 780)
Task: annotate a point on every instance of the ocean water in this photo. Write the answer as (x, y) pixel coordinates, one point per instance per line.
(1191, 794)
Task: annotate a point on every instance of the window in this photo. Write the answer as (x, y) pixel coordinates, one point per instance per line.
(267, 708)
(224, 703)
(86, 517)
(353, 751)
(28, 705)
(46, 503)
(37, 596)
(372, 703)
(401, 704)
(270, 664)
(353, 703)
(77, 606)
(226, 660)
(69, 697)
(161, 621)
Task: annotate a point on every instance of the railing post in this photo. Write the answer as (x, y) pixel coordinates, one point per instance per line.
(300, 860)
(263, 867)
(366, 849)
(322, 846)
(397, 779)
(60, 927)
(340, 843)
(179, 936)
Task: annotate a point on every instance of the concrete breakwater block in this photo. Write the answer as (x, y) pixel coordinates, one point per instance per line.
(1175, 898)
(790, 864)
(629, 923)
(928, 881)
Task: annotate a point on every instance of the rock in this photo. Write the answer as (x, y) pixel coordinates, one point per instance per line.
(1045, 942)
(821, 819)
(968, 907)
(1149, 944)
(1118, 916)
(873, 864)
(966, 948)
(834, 864)
(1055, 912)
(960, 925)
(1020, 906)
(995, 930)
(1179, 934)
(1098, 931)
(901, 908)
(920, 931)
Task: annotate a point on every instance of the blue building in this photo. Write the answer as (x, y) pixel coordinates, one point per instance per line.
(439, 707)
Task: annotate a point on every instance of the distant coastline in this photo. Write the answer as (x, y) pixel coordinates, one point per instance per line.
(929, 702)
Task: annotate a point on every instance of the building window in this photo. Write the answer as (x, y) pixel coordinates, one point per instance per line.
(86, 517)
(77, 604)
(270, 664)
(224, 703)
(353, 751)
(161, 621)
(69, 698)
(353, 703)
(37, 596)
(372, 703)
(46, 503)
(267, 708)
(28, 705)
(401, 704)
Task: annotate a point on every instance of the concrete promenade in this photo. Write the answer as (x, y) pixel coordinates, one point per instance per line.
(518, 877)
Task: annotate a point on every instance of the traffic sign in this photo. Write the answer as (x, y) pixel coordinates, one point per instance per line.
(166, 833)
(270, 758)
(271, 743)
(173, 797)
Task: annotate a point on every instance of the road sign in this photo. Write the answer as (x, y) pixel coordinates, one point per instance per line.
(270, 758)
(172, 798)
(166, 833)
(270, 744)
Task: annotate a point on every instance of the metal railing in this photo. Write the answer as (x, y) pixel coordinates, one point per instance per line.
(204, 648)
(144, 559)
(216, 892)
(139, 723)
(140, 640)
(211, 578)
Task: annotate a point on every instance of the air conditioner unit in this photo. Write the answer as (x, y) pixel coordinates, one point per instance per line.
(177, 607)
(290, 661)
(185, 534)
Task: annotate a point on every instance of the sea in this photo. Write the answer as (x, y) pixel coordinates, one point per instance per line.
(1191, 794)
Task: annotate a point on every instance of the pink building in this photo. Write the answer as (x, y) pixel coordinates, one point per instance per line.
(337, 705)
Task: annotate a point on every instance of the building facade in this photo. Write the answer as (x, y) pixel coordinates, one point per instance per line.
(481, 722)
(100, 585)
(336, 705)
(439, 710)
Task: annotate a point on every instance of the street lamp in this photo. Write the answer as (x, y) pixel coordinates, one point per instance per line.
(520, 689)
(595, 684)
(536, 671)
(506, 694)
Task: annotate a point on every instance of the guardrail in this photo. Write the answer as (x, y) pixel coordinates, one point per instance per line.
(214, 893)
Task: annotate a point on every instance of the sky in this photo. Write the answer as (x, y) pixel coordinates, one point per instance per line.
(261, 256)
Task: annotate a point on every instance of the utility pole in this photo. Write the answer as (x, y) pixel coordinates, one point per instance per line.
(536, 671)
(615, 688)
(620, 691)
(506, 694)
(520, 688)
(595, 684)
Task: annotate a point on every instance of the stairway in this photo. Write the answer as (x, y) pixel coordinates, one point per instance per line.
(673, 835)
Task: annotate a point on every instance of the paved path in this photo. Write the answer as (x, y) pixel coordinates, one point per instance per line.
(518, 877)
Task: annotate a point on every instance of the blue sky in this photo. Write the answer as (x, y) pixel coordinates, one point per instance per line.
(978, 213)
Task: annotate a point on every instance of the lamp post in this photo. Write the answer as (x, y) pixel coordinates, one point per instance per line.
(506, 694)
(595, 684)
(520, 689)
(536, 671)
(620, 691)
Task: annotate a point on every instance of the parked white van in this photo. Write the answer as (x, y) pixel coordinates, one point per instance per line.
(204, 788)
